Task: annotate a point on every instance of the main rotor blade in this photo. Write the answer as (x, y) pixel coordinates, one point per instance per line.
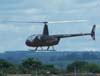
(68, 21)
(25, 22)
(65, 21)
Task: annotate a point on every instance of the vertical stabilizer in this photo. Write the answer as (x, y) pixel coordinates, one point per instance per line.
(93, 32)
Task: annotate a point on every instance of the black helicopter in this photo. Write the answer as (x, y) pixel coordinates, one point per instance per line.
(45, 39)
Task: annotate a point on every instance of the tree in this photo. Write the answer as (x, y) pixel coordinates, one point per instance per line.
(77, 64)
(50, 68)
(82, 66)
(7, 67)
(94, 68)
(28, 65)
(4, 64)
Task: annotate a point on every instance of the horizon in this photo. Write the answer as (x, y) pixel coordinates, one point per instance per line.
(46, 51)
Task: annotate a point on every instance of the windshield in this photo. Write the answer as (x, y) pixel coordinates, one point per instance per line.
(31, 38)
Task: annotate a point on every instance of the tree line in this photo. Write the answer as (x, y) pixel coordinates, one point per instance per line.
(27, 66)
(32, 66)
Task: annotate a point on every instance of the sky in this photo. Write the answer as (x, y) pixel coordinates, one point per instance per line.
(13, 35)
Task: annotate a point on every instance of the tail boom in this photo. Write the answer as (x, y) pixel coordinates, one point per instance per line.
(92, 34)
(71, 35)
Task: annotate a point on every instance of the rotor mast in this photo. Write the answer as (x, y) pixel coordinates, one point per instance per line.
(45, 30)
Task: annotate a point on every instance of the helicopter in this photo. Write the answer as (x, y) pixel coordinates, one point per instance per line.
(46, 40)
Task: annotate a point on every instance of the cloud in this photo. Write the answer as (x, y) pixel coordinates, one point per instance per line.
(32, 11)
(2, 49)
(98, 26)
(90, 49)
(12, 44)
(15, 28)
(85, 2)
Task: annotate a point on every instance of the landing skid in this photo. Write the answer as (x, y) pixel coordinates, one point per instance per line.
(41, 49)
